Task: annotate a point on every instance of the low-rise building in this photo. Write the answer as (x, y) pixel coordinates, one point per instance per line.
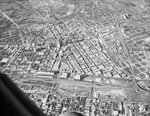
(97, 80)
(45, 74)
(4, 60)
(77, 77)
(63, 75)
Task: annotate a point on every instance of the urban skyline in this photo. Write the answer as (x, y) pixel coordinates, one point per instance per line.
(89, 56)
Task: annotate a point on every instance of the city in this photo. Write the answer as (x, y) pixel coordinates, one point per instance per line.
(87, 56)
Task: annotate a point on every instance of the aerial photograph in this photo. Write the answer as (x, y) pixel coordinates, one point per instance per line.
(86, 56)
